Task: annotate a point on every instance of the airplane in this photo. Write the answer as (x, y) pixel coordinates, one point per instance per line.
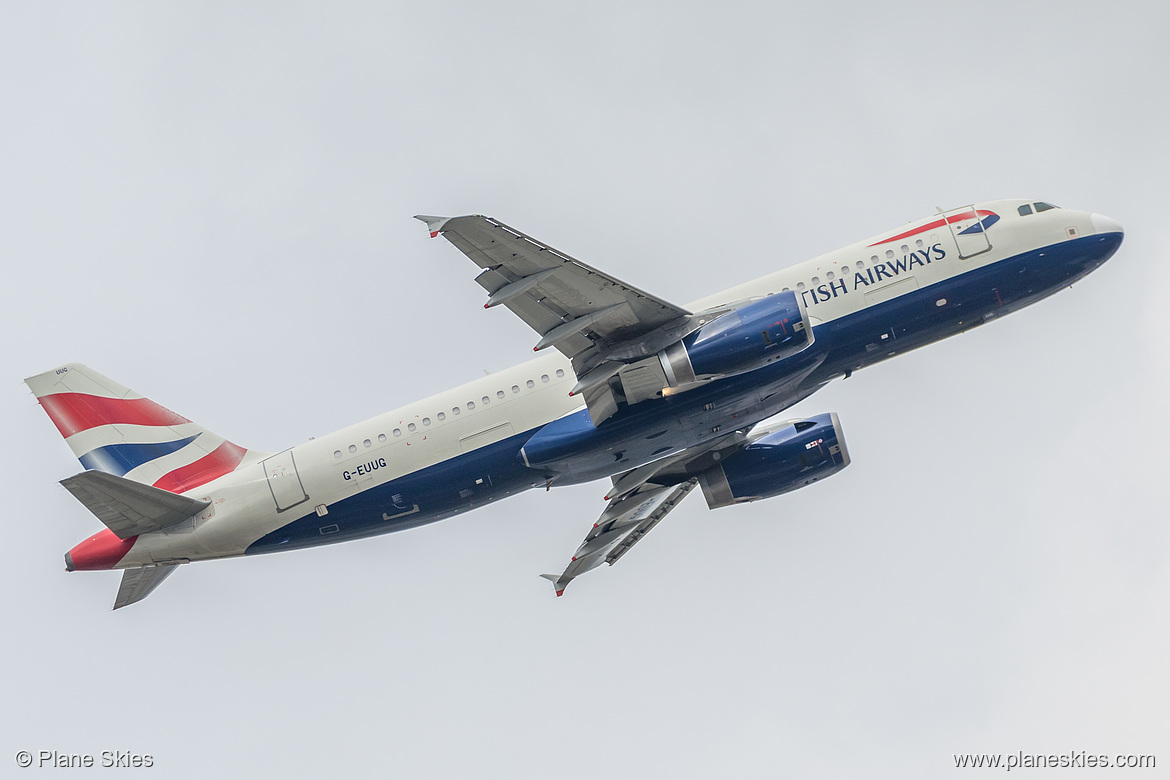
(656, 398)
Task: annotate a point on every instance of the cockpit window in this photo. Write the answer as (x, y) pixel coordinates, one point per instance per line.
(1043, 207)
(1025, 210)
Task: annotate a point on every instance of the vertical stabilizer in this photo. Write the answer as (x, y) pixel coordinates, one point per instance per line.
(112, 429)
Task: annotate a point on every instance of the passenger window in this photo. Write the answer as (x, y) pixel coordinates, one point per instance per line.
(442, 416)
(544, 377)
(530, 384)
(352, 449)
(397, 432)
(1024, 210)
(515, 388)
(560, 373)
(426, 421)
(500, 394)
(367, 443)
(485, 400)
(455, 410)
(337, 454)
(1043, 207)
(412, 427)
(381, 438)
(470, 405)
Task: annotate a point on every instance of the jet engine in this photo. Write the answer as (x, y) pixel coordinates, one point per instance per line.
(777, 459)
(742, 340)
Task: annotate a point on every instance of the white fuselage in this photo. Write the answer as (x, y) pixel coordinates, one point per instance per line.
(335, 470)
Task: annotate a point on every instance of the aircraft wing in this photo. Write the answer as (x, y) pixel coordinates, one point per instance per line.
(625, 521)
(604, 325)
(639, 499)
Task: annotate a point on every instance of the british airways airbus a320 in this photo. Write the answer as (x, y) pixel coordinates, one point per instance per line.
(655, 397)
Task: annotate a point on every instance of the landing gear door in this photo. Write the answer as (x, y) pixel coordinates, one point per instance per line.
(967, 228)
(284, 481)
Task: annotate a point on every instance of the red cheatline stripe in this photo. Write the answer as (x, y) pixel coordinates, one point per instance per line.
(222, 461)
(76, 412)
(936, 224)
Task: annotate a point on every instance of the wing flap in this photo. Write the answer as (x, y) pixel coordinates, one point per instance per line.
(129, 508)
(601, 401)
(643, 380)
(668, 503)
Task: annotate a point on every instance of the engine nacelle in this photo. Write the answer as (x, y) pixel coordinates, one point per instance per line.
(739, 341)
(791, 457)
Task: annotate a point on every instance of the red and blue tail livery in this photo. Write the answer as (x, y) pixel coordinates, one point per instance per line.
(113, 429)
(652, 397)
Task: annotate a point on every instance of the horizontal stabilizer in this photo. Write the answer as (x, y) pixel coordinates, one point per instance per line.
(137, 584)
(129, 508)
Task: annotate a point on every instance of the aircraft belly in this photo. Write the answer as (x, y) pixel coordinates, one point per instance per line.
(575, 451)
(430, 494)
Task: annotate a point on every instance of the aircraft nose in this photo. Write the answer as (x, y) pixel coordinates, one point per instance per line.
(1103, 224)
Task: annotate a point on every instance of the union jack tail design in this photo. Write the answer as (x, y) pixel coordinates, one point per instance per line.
(111, 428)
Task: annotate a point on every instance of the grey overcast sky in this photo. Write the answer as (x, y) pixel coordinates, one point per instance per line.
(211, 203)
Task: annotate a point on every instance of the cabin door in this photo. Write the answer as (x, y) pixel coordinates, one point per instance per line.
(284, 481)
(968, 229)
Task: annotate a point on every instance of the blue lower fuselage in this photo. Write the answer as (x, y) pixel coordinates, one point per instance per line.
(571, 450)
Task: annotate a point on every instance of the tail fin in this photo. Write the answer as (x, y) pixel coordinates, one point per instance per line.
(111, 428)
